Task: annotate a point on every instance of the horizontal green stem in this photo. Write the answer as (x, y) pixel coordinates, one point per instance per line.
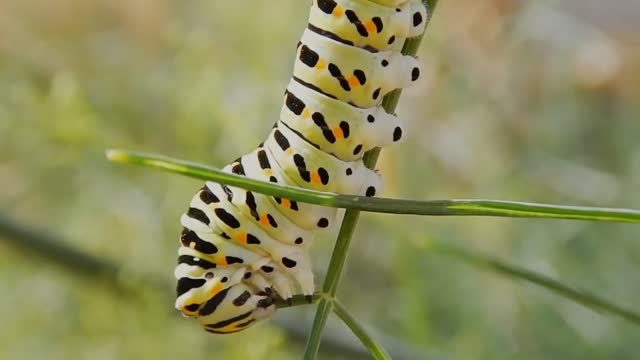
(580, 296)
(376, 351)
(454, 207)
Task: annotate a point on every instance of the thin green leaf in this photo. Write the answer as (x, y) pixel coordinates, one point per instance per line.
(454, 207)
(580, 296)
(374, 348)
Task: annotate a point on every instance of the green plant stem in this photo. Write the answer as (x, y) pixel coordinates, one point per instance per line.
(453, 207)
(374, 348)
(341, 249)
(580, 296)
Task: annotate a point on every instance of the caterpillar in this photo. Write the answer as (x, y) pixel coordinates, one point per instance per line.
(239, 249)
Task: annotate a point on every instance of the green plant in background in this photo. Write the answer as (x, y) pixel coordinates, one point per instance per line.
(327, 300)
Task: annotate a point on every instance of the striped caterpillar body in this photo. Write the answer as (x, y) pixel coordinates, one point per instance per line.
(239, 249)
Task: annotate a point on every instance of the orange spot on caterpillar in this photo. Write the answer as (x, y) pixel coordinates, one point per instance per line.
(241, 237)
(289, 151)
(221, 261)
(306, 113)
(215, 289)
(338, 133)
(370, 26)
(286, 203)
(338, 11)
(315, 178)
(353, 81)
(267, 172)
(321, 64)
(264, 220)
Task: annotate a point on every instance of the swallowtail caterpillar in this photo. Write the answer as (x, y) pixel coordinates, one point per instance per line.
(240, 249)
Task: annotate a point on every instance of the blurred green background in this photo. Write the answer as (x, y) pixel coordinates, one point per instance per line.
(521, 100)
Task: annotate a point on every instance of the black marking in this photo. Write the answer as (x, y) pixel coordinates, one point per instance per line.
(233, 260)
(357, 149)
(313, 87)
(251, 204)
(384, 63)
(376, 94)
(242, 298)
(185, 284)
(392, 39)
(329, 35)
(371, 118)
(318, 119)
(227, 191)
(359, 74)
(281, 140)
(198, 215)
(349, 171)
(324, 175)
(192, 307)
(224, 235)
(294, 205)
(288, 262)
(323, 223)
(265, 303)
(371, 191)
(417, 19)
(251, 239)
(327, 6)
(224, 279)
(299, 241)
(227, 218)
(302, 167)
(211, 305)
(353, 18)
(415, 74)
(238, 169)
(344, 126)
(272, 221)
(267, 269)
(245, 324)
(334, 70)
(263, 160)
(189, 237)
(397, 134)
(273, 179)
(294, 103)
(207, 196)
(228, 322)
(247, 275)
(308, 56)
(378, 23)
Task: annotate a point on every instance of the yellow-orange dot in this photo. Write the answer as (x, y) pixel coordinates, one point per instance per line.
(264, 220)
(370, 26)
(192, 244)
(242, 237)
(353, 81)
(315, 178)
(338, 133)
(267, 172)
(306, 113)
(289, 151)
(215, 289)
(338, 11)
(221, 261)
(286, 203)
(321, 64)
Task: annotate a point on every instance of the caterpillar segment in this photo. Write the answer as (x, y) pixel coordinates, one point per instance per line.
(350, 74)
(239, 250)
(337, 127)
(367, 25)
(315, 217)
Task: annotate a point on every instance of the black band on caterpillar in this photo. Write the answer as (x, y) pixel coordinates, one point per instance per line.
(239, 249)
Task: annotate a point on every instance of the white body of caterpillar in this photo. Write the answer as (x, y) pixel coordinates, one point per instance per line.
(240, 249)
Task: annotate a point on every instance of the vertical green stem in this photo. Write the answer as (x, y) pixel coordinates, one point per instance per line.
(343, 242)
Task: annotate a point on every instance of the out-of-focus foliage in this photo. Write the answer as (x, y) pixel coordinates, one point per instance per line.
(521, 100)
